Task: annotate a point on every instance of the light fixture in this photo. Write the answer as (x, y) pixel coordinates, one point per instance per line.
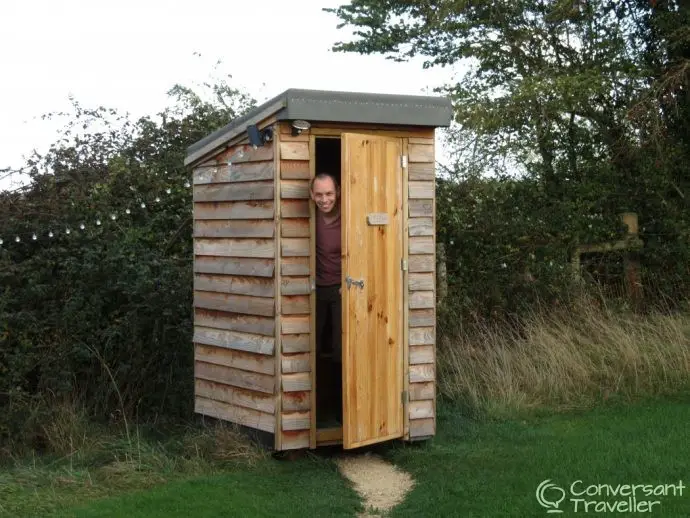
(298, 126)
(259, 137)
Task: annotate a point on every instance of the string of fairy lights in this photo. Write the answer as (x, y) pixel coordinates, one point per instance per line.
(53, 231)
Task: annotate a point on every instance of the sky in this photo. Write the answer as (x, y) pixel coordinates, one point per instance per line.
(128, 54)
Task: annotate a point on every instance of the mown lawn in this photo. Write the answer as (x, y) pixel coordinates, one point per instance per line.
(471, 469)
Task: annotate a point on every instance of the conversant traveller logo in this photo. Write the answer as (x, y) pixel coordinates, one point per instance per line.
(581, 497)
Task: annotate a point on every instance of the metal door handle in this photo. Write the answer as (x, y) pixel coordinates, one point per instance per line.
(350, 281)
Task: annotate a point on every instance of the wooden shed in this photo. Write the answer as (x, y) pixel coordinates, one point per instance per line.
(254, 266)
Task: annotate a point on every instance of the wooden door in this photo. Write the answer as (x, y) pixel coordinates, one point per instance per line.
(372, 223)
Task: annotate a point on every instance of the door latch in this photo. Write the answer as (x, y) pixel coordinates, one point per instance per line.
(350, 281)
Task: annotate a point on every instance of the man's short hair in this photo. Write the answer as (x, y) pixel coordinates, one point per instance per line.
(323, 176)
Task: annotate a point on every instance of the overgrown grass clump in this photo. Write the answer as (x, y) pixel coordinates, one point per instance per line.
(564, 358)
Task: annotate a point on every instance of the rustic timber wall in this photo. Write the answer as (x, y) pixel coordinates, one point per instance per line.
(295, 289)
(421, 287)
(234, 287)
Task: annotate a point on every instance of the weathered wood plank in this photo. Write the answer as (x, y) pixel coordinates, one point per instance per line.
(236, 359)
(235, 303)
(235, 414)
(422, 171)
(420, 152)
(295, 247)
(234, 210)
(422, 336)
(422, 372)
(294, 169)
(296, 382)
(421, 208)
(246, 153)
(421, 190)
(421, 409)
(234, 377)
(296, 401)
(421, 299)
(234, 340)
(294, 266)
(295, 228)
(296, 421)
(295, 305)
(421, 226)
(234, 191)
(236, 228)
(421, 281)
(294, 208)
(422, 317)
(252, 286)
(235, 396)
(421, 263)
(294, 189)
(294, 439)
(420, 354)
(294, 151)
(237, 172)
(292, 363)
(224, 247)
(295, 343)
(421, 245)
(422, 427)
(295, 286)
(295, 324)
(420, 391)
(235, 322)
(234, 266)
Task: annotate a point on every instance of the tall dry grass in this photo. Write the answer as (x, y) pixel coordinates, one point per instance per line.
(562, 358)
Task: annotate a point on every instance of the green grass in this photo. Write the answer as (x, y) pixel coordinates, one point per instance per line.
(471, 469)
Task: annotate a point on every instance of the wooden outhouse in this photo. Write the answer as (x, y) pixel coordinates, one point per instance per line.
(254, 266)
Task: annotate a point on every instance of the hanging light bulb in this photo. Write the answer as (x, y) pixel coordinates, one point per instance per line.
(113, 217)
(17, 239)
(82, 226)
(128, 211)
(158, 199)
(50, 234)
(1, 241)
(34, 237)
(68, 231)
(98, 222)
(143, 205)
(168, 190)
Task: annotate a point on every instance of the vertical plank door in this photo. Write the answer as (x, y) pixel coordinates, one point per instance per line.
(372, 222)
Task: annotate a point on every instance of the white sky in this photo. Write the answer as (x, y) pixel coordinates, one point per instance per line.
(127, 54)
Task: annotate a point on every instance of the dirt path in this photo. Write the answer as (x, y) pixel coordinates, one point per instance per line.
(381, 485)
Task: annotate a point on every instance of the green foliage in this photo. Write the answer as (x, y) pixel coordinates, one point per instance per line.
(103, 315)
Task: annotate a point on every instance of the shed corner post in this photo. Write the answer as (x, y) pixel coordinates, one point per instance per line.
(278, 349)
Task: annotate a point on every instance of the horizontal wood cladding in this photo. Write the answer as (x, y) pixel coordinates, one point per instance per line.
(294, 266)
(291, 363)
(234, 340)
(421, 409)
(236, 359)
(235, 228)
(421, 300)
(422, 373)
(234, 173)
(295, 420)
(422, 428)
(295, 440)
(295, 228)
(252, 286)
(422, 336)
(234, 192)
(421, 171)
(225, 247)
(421, 391)
(422, 317)
(294, 208)
(235, 414)
(224, 210)
(295, 343)
(420, 354)
(235, 377)
(295, 324)
(298, 382)
(421, 263)
(235, 396)
(296, 401)
(234, 266)
(421, 245)
(295, 304)
(421, 152)
(421, 190)
(421, 281)
(294, 150)
(245, 153)
(294, 247)
(295, 286)
(421, 226)
(294, 189)
(246, 305)
(294, 170)
(421, 208)
(235, 322)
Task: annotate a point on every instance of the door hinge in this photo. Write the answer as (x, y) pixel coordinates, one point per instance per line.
(403, 265)
(403, 161)
(403, 397)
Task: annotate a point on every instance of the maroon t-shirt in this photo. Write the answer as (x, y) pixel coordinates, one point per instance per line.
(328, 251)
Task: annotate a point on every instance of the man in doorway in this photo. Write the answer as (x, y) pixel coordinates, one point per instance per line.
(325, 193)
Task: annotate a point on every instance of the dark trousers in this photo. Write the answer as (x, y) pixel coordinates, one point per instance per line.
(329, 323)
